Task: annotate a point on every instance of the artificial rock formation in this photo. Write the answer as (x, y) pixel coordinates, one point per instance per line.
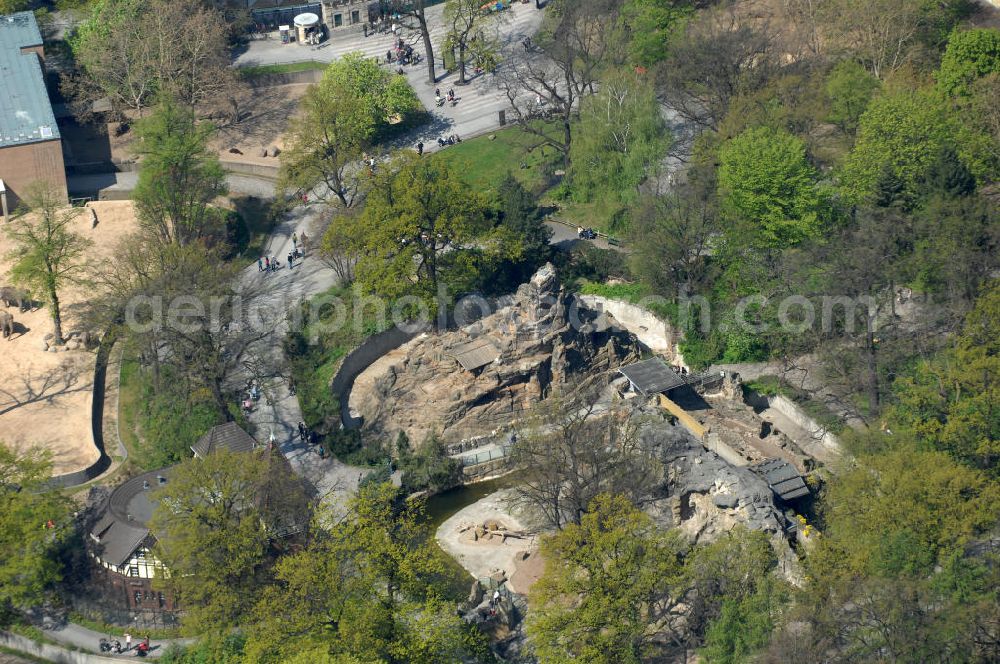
(479, 378)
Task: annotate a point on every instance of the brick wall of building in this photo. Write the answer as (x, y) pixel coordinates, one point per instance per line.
(20, 165)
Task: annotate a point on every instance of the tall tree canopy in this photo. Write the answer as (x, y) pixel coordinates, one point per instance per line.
(366, 587)
(620, 141)
(341, 116)
(766, 181)
(49, 254)
(970, 55)
(34, 525)
(179, 177)
(217, 522)
(130, 53)
(418, 220)
(606, 586)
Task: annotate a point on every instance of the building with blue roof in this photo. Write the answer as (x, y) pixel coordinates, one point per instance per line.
(30, 145)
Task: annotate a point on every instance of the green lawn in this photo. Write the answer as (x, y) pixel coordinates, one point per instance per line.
(484, 161)
(288, 68)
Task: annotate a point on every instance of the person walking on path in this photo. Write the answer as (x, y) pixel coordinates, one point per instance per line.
(305, 241)
(260, 264)
(267, 264)
(291, 257)
(295, 242)
(128, 641)
(420, 149)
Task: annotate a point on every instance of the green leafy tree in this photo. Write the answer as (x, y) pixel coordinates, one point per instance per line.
(620, 141)
(351, 107)
(325, 143)
(34, 525)
(48, 254)
(382, 96)
(12, 6)
(179, 176)
(899, 136)
(948, 402)
(365, 587)
(607, 588)
(743, 627)
(849, 88)
(216, 522)
(734, 568)
(970, 55)
(523, 234)
(417, 222)
(896, 571)
(650, 25)
(768, 185)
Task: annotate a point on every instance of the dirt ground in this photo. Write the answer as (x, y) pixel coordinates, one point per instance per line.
(483, 556)
(45, 397)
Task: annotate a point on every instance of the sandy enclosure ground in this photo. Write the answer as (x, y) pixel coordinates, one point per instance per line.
(482, 557)
(45, 397)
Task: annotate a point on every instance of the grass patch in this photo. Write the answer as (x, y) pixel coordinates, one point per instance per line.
(286, 68)
(483, 163)
(128, 405)
(626, 292)
(159, 427)
(603, 214)
(315, 353)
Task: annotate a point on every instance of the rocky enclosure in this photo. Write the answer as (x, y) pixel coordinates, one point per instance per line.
(473, 380)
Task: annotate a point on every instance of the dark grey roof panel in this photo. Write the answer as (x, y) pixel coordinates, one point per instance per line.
(652, 376)
(229, 435)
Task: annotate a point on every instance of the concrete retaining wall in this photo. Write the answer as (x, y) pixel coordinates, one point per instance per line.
(256, 170)
(96, 420)
(360, 359)
(794, 412)
(651, 330)
(53, 653)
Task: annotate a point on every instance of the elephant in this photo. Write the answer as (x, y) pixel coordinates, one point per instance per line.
(7, 324)
(18, 296)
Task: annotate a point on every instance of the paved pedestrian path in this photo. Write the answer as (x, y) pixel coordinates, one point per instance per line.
(479, 102)
(78, 636)
(273, 295)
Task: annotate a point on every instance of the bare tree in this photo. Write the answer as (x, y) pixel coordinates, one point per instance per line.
(129, 53)
(468, 31)
(569, 453)
(545, 82)
(726, 51)
(48, 254)
(878, 32)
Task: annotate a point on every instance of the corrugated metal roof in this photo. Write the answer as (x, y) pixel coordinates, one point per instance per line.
(25, 111)
(475, 354)
(782, 477)
(652, 376)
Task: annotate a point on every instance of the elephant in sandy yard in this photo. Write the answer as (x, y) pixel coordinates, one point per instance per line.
(7, 324)
(10, 295)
